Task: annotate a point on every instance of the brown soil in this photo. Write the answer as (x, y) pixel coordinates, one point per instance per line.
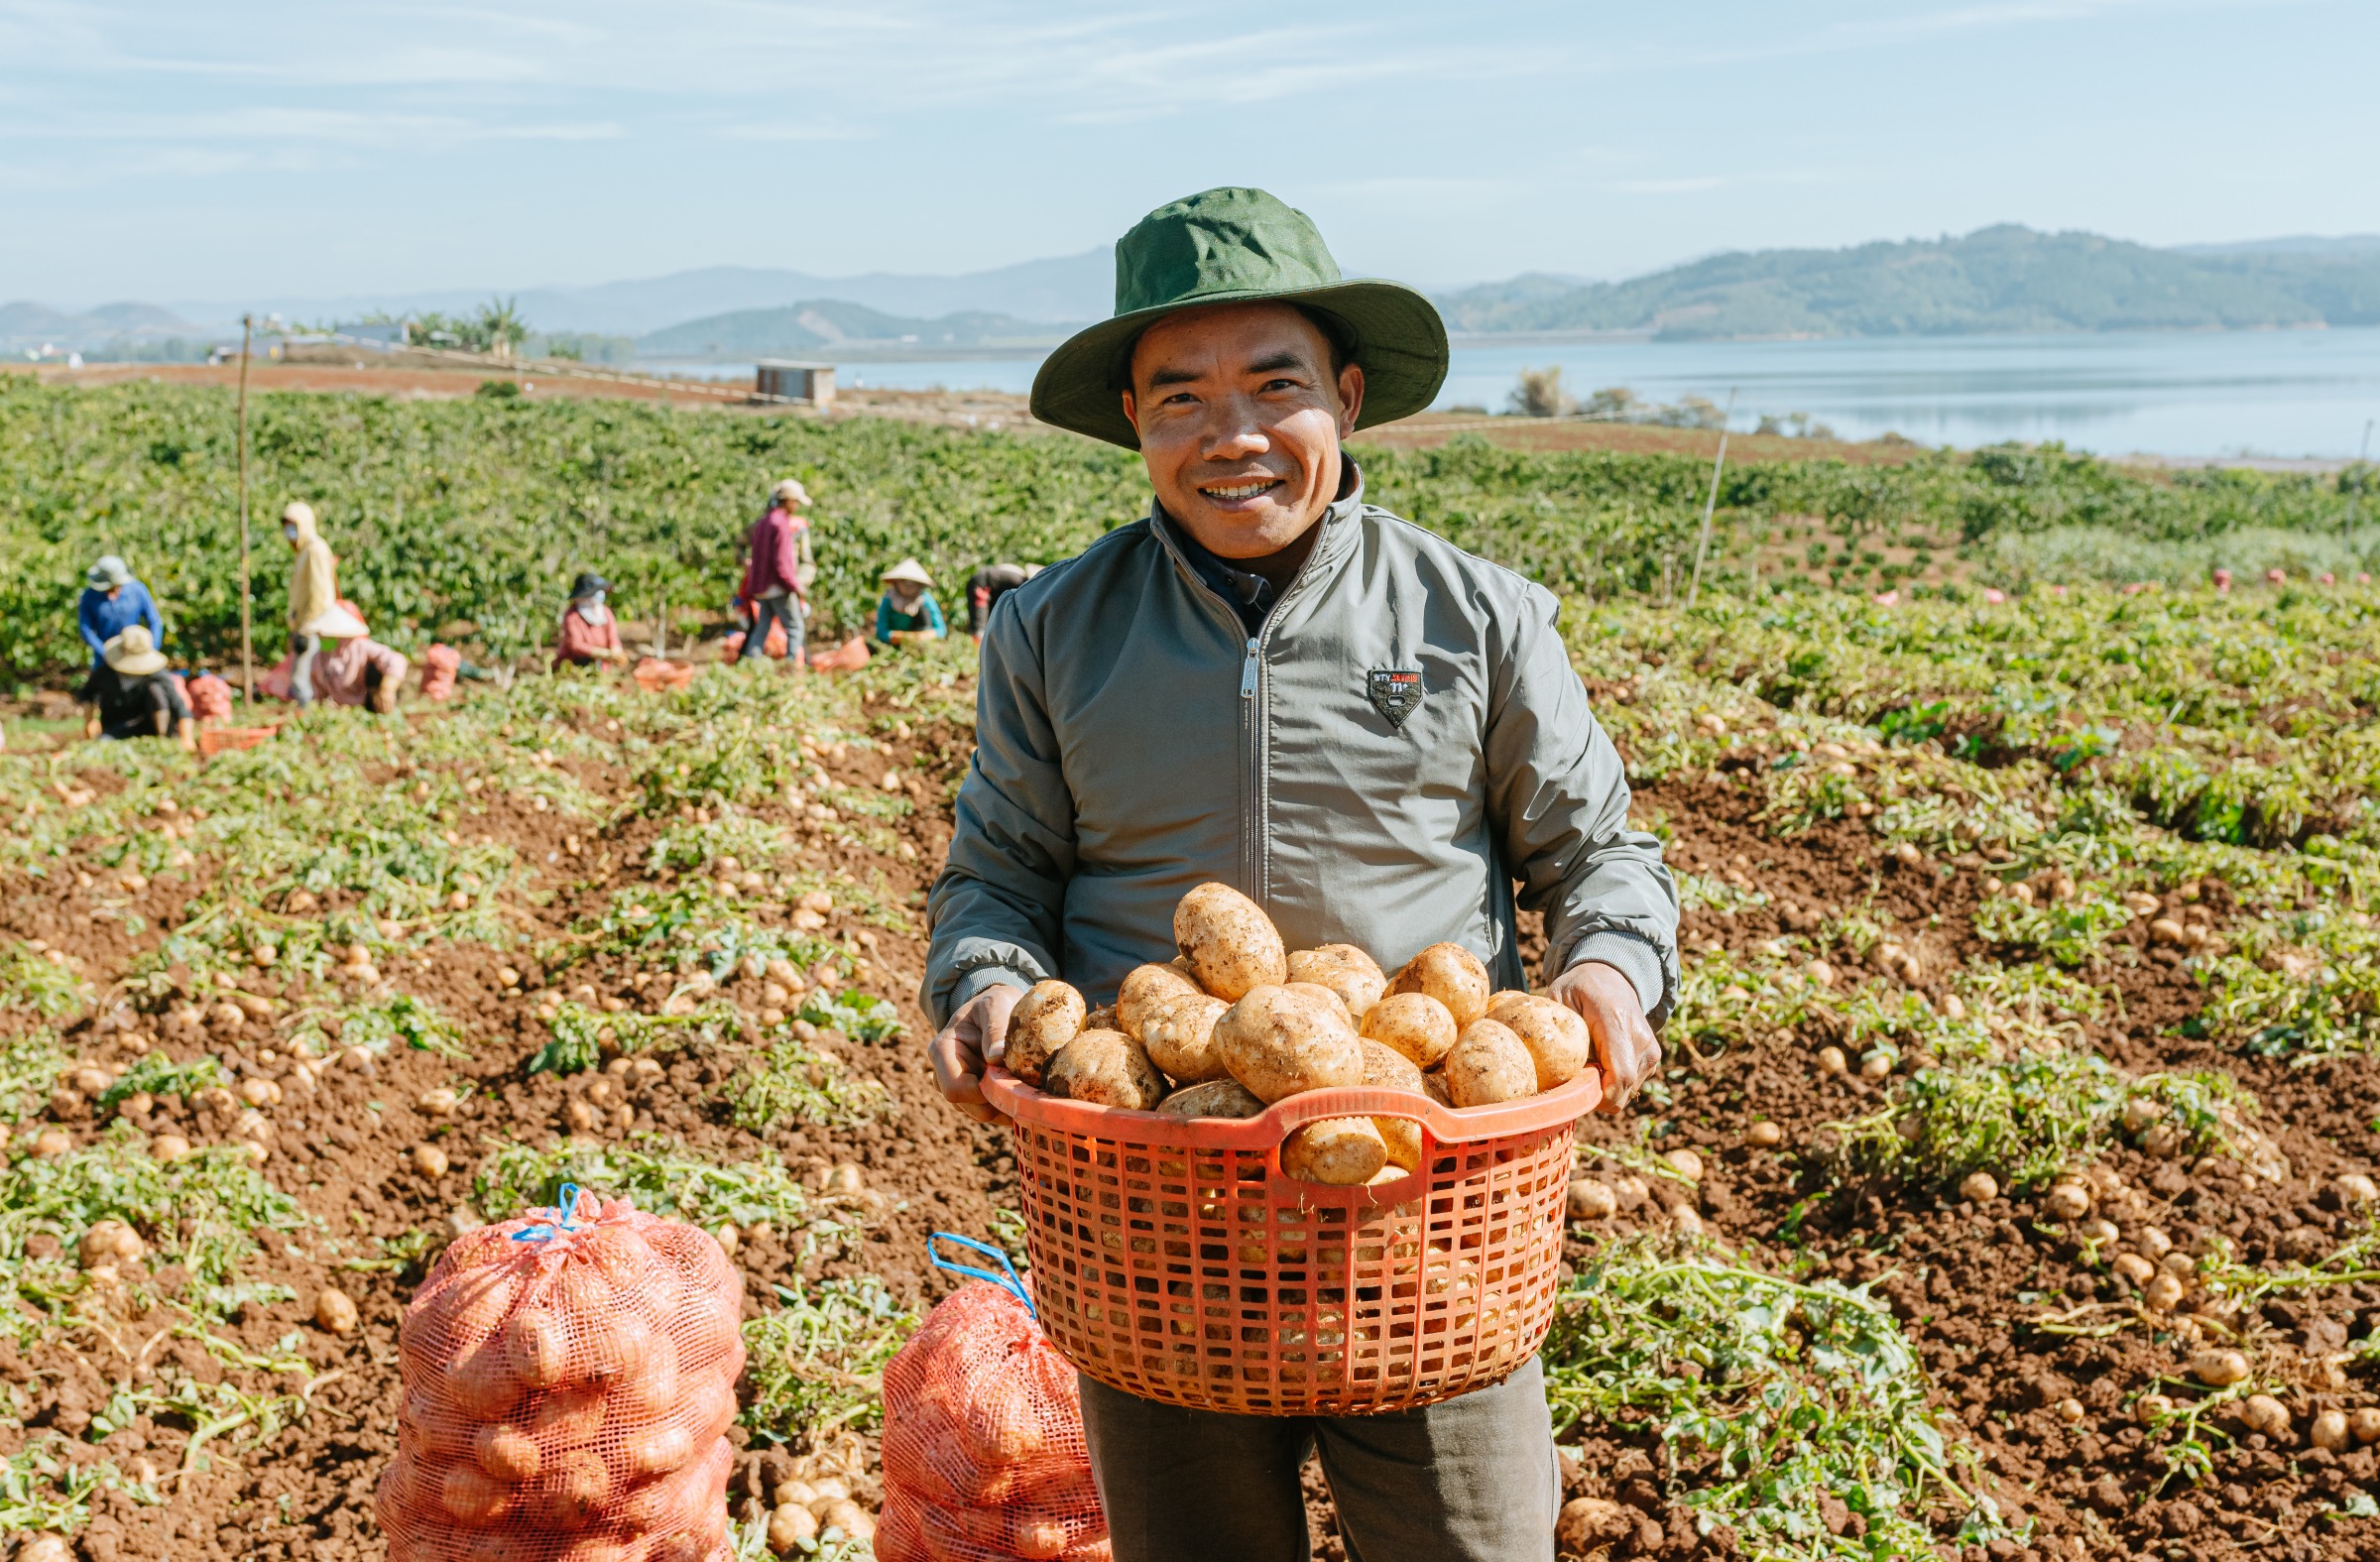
(1964, 1280)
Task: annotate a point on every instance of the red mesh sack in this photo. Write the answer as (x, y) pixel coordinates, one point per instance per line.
(210, 699)
(440, 664)
(983, 1447)
(568, 1378)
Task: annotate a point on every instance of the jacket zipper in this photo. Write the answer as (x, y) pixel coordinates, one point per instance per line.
(1253, 855)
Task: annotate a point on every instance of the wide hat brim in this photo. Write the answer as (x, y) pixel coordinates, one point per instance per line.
(1399, 340)
(136, 664)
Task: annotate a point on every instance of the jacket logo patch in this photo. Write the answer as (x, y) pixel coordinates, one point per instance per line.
(1394, 694)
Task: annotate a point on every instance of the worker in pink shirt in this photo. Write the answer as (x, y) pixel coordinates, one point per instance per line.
(590, 629)
(776, 579)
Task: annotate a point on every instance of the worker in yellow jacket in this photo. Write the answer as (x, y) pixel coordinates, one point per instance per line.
(314, 608)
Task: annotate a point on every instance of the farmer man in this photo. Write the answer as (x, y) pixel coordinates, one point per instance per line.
(130, 694)
(590, 633)
(907, 611)
(1270, 683)
(112, 602)
(776, 579)
(988, 585)
(314, 610)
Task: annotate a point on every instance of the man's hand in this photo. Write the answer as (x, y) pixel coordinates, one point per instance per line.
(1624, 1048)
(959, 1049)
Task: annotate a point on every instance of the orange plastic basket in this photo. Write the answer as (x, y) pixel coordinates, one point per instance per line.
(215, 740)
(1174, 1260)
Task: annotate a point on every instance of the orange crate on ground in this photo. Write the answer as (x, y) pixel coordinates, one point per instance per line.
(215, 740)
(1174, 1260)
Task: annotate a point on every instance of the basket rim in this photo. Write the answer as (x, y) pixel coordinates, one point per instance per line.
(1565, 1103)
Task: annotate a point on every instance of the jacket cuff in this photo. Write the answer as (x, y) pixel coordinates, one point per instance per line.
(1632, 957)
(980, 978)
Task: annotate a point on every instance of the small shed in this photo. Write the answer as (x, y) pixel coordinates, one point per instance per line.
(785, 378)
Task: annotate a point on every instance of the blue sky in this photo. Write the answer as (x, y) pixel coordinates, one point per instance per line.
(196, 149)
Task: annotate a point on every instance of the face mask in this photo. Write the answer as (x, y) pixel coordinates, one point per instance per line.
(290, 531)
(595, 601)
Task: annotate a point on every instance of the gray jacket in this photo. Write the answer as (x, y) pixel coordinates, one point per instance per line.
(1402, 740)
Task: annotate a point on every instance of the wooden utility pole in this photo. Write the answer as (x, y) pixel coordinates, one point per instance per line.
(1710, 506)
(247, 643)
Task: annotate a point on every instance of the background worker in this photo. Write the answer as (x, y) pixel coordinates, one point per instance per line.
(1379, 737)
(130, 694)
(112, 602)
(988, 585)
(778, 577)
(590, 632)
(907, 610)
(313, 596)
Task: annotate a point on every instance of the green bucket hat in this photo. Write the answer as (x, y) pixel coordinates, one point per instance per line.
(1239, 246)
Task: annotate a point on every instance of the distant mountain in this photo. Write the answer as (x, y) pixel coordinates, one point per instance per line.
(2007, 279)
(1069, 288)
(828, 325)
(2298, 244)
(30, 326)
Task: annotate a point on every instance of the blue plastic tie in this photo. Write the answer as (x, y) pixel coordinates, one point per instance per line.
(547, 1232)
(1007, 1281)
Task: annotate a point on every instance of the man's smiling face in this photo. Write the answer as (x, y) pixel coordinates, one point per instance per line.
(1240, 414)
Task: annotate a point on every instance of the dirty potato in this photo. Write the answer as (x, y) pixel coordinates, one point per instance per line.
(1385, 1068)
(1451, 974)
(1146, 990)
(1180, 1038)
(1106, 1068)
(1230, 944)
(1045, 1018)
(1327, 995)
(1556, 1036)
(1489, 1064)
(1217, 1098)
(1345, 970)
(1341, 1151)
(1414, 1024)
(1432, 1085)
(1277, 1041)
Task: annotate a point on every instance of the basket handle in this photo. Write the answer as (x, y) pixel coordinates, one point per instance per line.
(1007, 1281)
(1016, 1100)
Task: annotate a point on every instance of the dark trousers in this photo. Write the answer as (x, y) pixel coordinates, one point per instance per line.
(785, 610)
(1472, 1479)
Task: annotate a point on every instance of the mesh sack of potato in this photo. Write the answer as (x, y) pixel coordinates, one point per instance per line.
(568, 1382)
(983, 1455)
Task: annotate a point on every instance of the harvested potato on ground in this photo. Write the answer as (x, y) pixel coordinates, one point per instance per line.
(1345, 970)
(1385, 1068)
(1230, 944)
(1341, 1151)
(1451, 974)
(1277, 1041)
(1179, 1037)
(1556, 1036)
(1217, 1098)
(1414, 1024)
(1146, 990)
(1106, 1068)
(1045, 1018)
(1489, 1064)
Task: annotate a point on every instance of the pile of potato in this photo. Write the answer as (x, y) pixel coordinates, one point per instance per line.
(1238, 1022)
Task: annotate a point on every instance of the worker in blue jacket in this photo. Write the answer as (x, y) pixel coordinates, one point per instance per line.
(112, 602)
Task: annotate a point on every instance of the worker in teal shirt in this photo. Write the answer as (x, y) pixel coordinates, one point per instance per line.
(112, 602)
(907, 610)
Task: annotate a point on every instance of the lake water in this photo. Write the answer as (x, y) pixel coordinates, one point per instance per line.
(2284, 394)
